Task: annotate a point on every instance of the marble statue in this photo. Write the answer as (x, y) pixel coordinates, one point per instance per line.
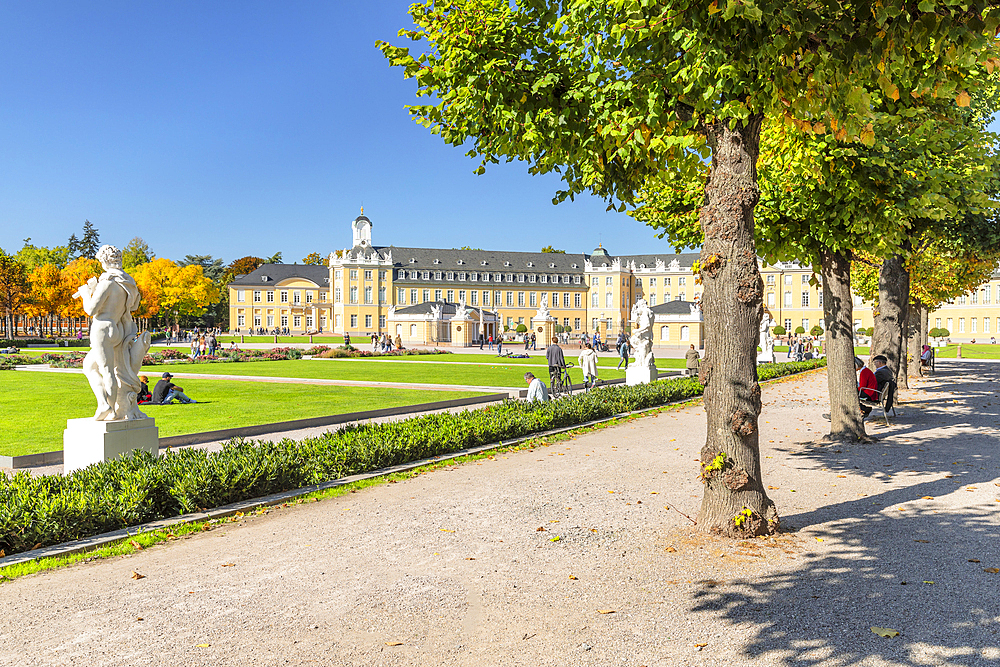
(766, 340)
(641, 339)
(543, 308)
(461, 312)
(436, 311)
(116, 347)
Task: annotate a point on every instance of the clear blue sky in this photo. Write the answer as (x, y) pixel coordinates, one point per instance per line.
(247, 128)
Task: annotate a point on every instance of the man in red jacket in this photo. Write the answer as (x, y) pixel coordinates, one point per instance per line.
(867, 385)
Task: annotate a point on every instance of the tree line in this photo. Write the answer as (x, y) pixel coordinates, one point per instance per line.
(850, 137)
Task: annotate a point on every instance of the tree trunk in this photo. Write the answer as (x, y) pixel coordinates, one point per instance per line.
(915, 340)
(735, 503)
(842, 383)
(893, 304)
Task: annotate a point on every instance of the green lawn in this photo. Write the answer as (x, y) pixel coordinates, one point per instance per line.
(488, 374)
(31, 426)
(969, 351)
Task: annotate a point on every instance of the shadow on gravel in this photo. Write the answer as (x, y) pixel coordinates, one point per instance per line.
(919, 569)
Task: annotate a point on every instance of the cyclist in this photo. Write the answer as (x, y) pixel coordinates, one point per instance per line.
(557, 362)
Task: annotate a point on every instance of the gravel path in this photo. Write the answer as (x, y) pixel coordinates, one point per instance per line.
(461, 566)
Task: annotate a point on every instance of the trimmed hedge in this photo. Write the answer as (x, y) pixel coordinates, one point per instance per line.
(140, 487)
(349, 351)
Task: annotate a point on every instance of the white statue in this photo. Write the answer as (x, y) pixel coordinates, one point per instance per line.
(116, 347)
(766, 339)
(461, 312)
(435, 311)
(543, 308)
(641, 339)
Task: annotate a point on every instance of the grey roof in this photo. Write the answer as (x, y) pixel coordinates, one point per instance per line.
(275, 273)
(685, 259)
(447, 308)
(674, 308)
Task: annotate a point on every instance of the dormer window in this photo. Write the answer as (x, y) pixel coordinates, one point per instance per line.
(530, 264)
(552, 265)
(263, 279)
(413, 260)
(483, 263)
(461, 261)
(506, 263)
(451, 275)
(575, 266)
(437, 261)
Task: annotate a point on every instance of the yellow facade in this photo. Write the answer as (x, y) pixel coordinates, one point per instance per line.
(354, 294)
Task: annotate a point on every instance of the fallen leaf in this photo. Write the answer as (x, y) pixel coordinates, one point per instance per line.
(671, 550)
(927, 497)
(605, 611)
(229, 565)
(140, 618)
(2, 553)
(701, 645)
(136, 575)
(394, 643)
(885, 632)
(470, 558)
(138, 547)
(773, 488)
(973, 560)
(991, 570)
(819, 539)
(842, 476)
(924, 541)
(573, 577)
(202, 645)
(928, 582)
(540, 529)
(555, 539)
(445, 530)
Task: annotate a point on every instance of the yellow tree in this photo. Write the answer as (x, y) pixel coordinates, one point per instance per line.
(76, 273)
(49, 294)
(173, 292)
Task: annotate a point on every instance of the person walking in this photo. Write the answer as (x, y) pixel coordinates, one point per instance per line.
(624, 351)
(482, 339)
(588, 364)
(489, 341)
(534, 345)
(499, 345)
(692, 361)
(194, 348)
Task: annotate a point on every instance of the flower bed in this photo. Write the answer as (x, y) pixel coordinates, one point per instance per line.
(175, 356)
(140, 487)
(67, 360)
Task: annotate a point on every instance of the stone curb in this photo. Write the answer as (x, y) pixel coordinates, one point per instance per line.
(97, 541)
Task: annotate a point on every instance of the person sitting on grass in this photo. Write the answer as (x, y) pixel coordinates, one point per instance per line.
(537, 390)
(166, 391)
(144, 395)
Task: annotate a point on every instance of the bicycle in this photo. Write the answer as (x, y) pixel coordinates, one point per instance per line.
(562, 383)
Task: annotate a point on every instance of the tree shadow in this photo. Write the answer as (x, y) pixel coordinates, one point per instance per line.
(913, 557)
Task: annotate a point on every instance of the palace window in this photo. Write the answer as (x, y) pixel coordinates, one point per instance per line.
(510, 278)
(354, 321)
(788, 279)
(652, 299)
(269, 297)
(381, 275)
(609, 299)
(368, 274)
(788, 324)
(532, 299)
(297, 319)
(426, 295)
(413, 296)
(520, 299)
(961, 325)
(576, 280)
(336, 295)
(338, 274)
(486, 298)
(256, 296)
(381, 321)
(770, 279)
(427, 275)
(401, 296)
(241, 320)
(542, 279)
(576, 323)
(437, 295)
(354, 294)
(770, 299)
(283, 297)
(368, 321)
(401, 275)
(241, 295)
(682, 281)
(788, 299)
(461, 276)
(451, 296)
(510, 298)
(609, 281)
(576, 301)
(309, 297)
(354, 274)
(381, 294)
(804, 279)
(437, 275)
(309, 321)
(256, 320)
(565, 299)
(451, 275)
(666, 282)
(368, 294)
(805, 299)
(972, 325)
(593, 300)
(475, 297)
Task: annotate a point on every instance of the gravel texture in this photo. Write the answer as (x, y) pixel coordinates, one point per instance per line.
(567, 554)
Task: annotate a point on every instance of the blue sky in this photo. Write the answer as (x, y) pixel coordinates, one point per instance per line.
(248, 128)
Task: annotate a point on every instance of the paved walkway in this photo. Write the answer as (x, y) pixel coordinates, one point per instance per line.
(573, 554)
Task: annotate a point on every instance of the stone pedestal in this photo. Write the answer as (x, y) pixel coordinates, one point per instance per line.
(86, 441)
(461, 333)
(766, 357)
(544, 329)
(639, 375)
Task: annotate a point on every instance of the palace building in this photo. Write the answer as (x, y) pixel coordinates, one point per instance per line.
(450, 296)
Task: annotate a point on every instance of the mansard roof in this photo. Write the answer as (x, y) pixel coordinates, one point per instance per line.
(268, 275)
(674, 308)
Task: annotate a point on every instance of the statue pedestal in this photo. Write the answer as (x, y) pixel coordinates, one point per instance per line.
(544, 328)
(86, 441)
(639, 375)
(766, 357)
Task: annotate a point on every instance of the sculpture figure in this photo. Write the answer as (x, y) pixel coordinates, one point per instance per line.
(543, 308)
(641, 339)
(116, 347)
(461, 312)
(766, 339)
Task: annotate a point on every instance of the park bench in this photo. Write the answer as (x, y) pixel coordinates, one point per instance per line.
(884, 400)
(927, 366)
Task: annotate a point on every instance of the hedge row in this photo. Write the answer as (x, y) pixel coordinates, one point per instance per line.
(349, 351)
(141, 487)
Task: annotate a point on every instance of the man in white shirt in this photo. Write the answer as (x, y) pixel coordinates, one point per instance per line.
(537, 390)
